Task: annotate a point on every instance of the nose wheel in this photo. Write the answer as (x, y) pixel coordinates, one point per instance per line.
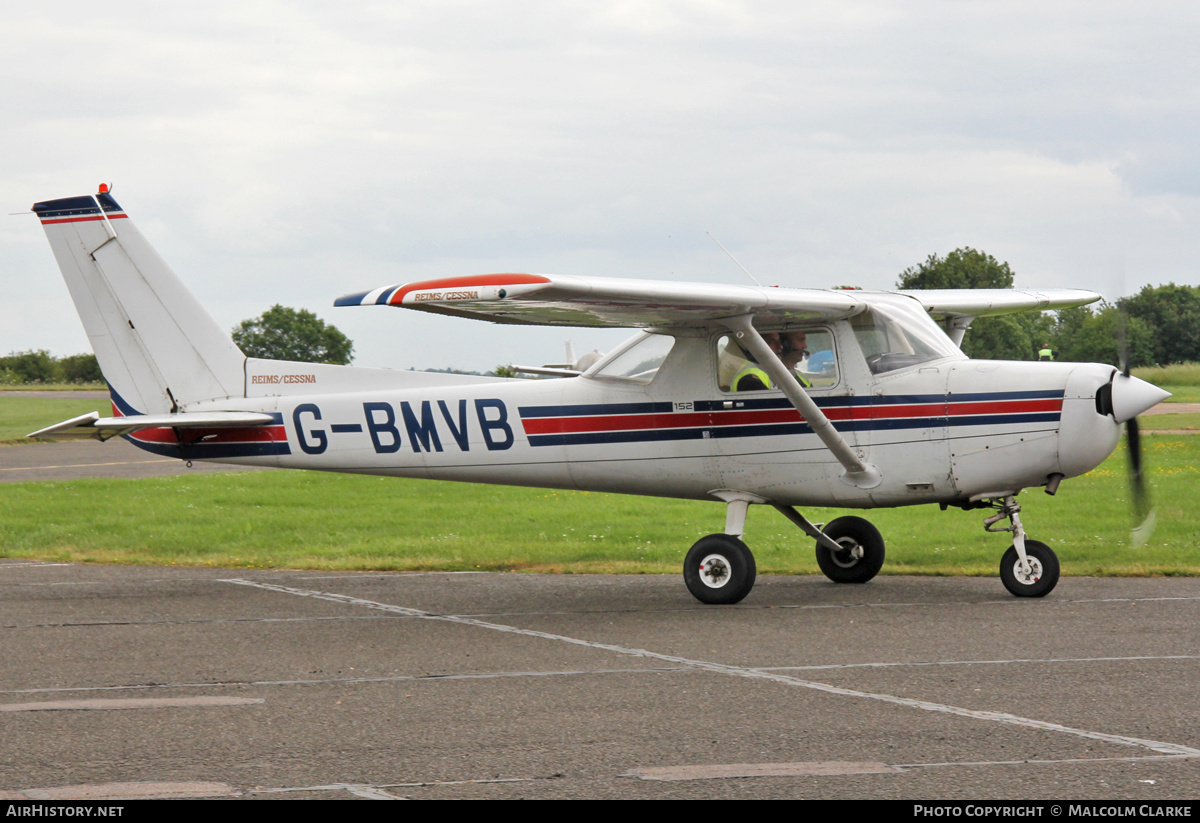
(1036, 577)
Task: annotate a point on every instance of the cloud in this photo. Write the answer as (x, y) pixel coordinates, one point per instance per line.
(291, 152)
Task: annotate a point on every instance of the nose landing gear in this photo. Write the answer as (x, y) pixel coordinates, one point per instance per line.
(1028, 568)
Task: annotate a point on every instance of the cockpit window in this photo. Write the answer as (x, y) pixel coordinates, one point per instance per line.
(640, 361)
(895, 335)
(808, 353)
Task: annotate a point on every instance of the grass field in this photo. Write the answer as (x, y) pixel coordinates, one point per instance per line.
(1182, 380)
(1157, 422)
(310, 520)
(21, 415)
(287, 519)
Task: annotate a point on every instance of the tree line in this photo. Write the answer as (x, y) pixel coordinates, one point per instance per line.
(39, 366)
(279, 333)
(1160, 324)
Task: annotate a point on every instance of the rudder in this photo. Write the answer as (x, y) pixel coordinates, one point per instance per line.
(157, 347)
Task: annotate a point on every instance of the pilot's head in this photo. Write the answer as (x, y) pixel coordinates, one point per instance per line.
(794, 345)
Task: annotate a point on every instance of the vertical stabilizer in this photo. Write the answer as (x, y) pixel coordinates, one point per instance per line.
(157, 347)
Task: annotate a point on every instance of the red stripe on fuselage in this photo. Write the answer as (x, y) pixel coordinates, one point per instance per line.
(253, 434)
(680, 420)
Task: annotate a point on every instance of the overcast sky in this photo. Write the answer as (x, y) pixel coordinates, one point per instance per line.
(292, 152)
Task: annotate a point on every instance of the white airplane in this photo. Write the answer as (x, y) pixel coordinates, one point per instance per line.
(740, 394)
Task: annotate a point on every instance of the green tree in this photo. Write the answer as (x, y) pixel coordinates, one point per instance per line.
(282, 333)
(81, 368)
(32, 367)
(1007, 337)
(1173, 314)
(1086, 336)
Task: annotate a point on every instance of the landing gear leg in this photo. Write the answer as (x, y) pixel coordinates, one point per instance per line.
(1028, 568)
(849, 549)
(719, 568)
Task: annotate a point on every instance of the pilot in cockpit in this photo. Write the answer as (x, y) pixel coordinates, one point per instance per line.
(790, 347)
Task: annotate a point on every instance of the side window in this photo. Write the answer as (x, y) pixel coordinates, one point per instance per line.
(807, 352)
(640, 361)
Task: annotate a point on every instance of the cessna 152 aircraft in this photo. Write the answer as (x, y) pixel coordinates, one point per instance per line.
(745, 395)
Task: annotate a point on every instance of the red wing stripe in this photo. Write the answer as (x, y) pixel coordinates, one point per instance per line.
(466, 282)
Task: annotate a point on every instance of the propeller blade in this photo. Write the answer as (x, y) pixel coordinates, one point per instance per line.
(1143, 513)
(1122, 343)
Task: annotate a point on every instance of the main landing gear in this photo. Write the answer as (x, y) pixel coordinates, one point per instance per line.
(720, 568)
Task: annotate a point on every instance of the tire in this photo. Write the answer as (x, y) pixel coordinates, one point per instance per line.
(1045, 570)
(719, 569)
(855, 534)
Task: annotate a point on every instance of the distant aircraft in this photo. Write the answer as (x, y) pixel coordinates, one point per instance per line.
(864, 399)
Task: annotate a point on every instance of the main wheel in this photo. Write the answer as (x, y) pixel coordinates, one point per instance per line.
(1042, 576)
(719, 569)
(862, 552)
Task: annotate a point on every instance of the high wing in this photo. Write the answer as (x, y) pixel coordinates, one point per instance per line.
(564, 300)
(987, 302)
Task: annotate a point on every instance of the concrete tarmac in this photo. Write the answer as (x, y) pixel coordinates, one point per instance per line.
(75, 459)
(164, 682)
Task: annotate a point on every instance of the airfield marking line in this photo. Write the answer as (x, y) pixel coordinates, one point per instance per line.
(739, 671)
(399, 678)
(1060, 761)
(129, 703)
(364, 575)
(381, 786)
(88, 466)
(429, 678)
(33, 565)
(1018, 660)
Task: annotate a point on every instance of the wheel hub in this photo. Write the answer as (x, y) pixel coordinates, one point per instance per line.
(851, 553)
(1028, 573)
(714, 571)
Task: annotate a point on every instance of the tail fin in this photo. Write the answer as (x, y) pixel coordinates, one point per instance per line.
(157, 347)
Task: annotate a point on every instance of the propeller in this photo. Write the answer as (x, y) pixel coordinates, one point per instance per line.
(1143, 511)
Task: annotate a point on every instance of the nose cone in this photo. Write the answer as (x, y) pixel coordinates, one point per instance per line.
(1131, 397)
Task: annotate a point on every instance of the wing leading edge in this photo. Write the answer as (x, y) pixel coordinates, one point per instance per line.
(564, 300)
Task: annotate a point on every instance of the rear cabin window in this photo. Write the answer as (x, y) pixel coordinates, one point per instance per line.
(807, 352)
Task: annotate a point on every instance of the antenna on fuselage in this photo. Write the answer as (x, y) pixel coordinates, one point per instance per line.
(734, 259)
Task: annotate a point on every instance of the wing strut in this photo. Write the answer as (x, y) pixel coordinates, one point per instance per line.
(860, 474)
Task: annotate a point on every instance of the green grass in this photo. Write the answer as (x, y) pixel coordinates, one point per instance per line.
(288, 519)
(1154, 422)
(21, 415)
(1182, 380)
(52, 387)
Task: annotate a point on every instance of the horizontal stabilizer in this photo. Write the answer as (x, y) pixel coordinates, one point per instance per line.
(92, 426)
